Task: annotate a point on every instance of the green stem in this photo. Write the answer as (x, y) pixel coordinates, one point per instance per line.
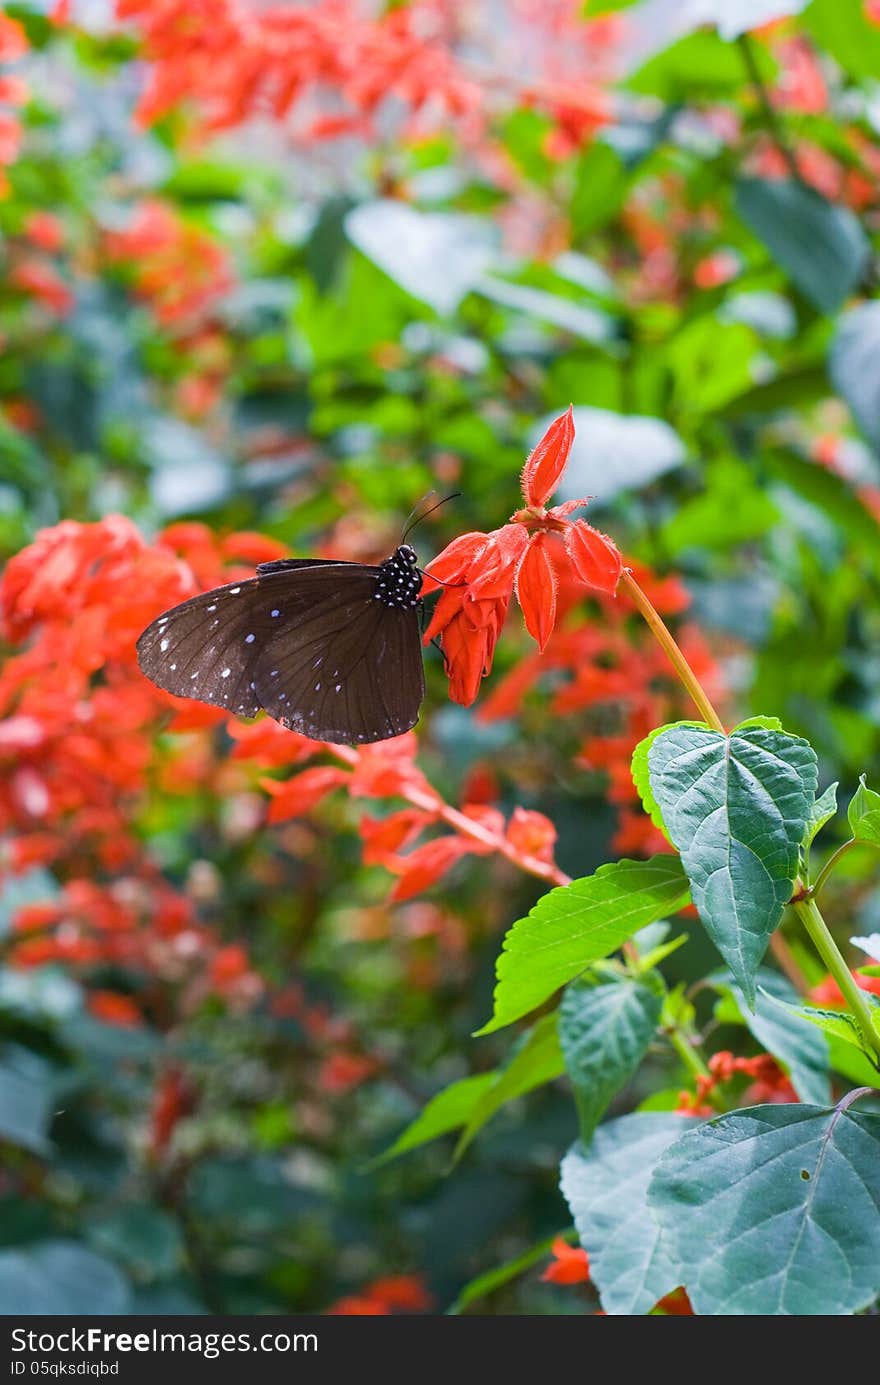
(831, 863)
(684, 1047)
(690, 1055)
(771, 119)
(664, 638)
(809, 915)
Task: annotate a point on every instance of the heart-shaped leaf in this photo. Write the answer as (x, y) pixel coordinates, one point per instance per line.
(774, 1210)
(736, 807)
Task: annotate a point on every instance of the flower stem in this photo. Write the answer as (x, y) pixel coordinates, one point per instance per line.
(809, 915)
(672, 651)
(771, 119)
(832, 861)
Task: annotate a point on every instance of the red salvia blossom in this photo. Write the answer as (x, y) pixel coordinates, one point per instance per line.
(570, 1264)
(481, 571)
(176, 267)
(395, 1293)
(769, 1082)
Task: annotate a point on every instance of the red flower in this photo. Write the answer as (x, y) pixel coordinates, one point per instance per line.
(44, 231)
(828, 992)
(570, 1265)
(111, 1008)
(480, 572)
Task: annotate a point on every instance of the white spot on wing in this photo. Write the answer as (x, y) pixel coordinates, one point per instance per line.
(213, 608)
(163, 645)
(249, 639)
(226, 672)
(275, 613)
(233, 591)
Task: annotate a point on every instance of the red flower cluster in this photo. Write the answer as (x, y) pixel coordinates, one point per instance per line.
(769, 1082)
(481, 571)
(827, 992)
(232, 61)
(388, 770)
(13, 92)
(609, 671)
(78, 726)
(396, 1293)
(177, 268)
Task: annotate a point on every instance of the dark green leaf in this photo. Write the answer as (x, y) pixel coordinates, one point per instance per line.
(577, 924)
(605, 1032)
(775, 1210)
(641, 777)
(606, 1188)
(822, 248)
(60, 1278)
(26, 1101)
(853, 363)
(832, 496)
(736, 807)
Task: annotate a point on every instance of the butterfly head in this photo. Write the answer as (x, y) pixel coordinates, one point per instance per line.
(399, 581)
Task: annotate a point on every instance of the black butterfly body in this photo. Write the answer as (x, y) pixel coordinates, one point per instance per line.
(329, 649)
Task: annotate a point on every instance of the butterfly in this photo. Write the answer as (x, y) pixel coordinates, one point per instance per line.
(329, 649)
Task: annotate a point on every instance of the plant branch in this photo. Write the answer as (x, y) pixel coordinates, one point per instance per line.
(831, 864)
(771, 119)
(467, 827)
(664, 638)
(809, 915)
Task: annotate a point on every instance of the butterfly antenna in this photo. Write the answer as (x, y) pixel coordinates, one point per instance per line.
(416, 518)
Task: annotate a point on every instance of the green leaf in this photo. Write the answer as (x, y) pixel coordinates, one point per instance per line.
(823, 811)
(731, 511)
(581, 319)
(864, 814)
(765, 723)
(700, 65)
(801, 1051)
(448, 1110)
(493, 1279)
(847, 34)
(605, 1032)
(736, 807)
(822, 248)
(26, 1101)
(575, 925)
(536, 1058)
(60, 1277)
(599, 189)
(775, 1210)
(146, 1240)
(852, 361)
(641, 777)
(836, 1024)
(831, 495)
(437, 257)
(606, 1188)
